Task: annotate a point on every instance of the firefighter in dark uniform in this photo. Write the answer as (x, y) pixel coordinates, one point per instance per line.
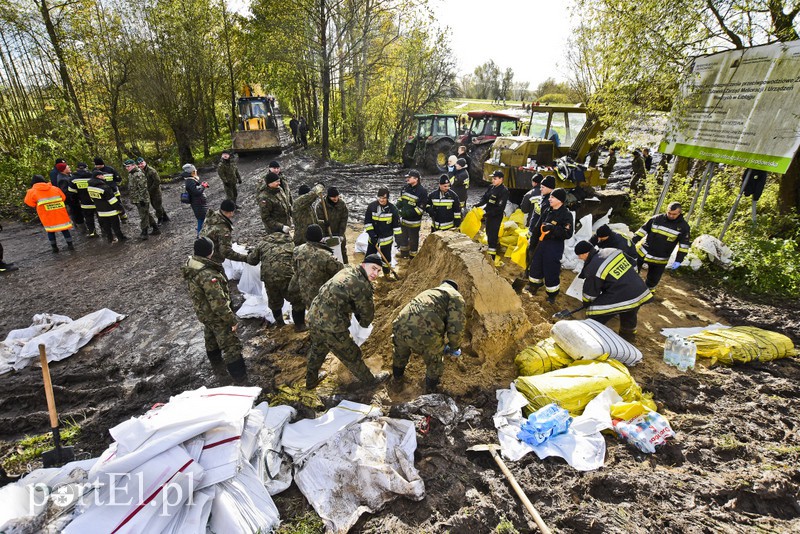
(444, 207)
(79, 185)
(605, 237)
(413, 198)
(382, 225)
(545, 185)
(556, 226)
(112, 177)
(611, 286)
(494, 200)
(661, 234)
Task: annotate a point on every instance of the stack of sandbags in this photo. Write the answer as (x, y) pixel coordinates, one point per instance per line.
(742, 344)
(543, 357)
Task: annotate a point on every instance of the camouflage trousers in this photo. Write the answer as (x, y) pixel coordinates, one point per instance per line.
(157, 202)
(146, 219)
(280, 288)
(219, 336)
(231, 191)
(406, 339)
(343, 347)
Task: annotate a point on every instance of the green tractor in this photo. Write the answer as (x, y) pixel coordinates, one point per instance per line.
(430, 146)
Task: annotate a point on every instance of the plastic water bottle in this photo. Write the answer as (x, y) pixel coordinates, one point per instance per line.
(684, 353)
(668, 343)
(692, 358)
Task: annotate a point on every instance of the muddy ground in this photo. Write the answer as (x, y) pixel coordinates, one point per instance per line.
(733, 466)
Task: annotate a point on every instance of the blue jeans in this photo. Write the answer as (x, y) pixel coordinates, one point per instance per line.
(52, 236)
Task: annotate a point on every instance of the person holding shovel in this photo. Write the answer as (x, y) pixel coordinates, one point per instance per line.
(332, 213)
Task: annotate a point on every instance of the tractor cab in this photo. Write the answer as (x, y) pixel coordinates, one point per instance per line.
(484, 128)
(433, 138)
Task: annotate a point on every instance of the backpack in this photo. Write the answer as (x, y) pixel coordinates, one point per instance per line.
(186, 198)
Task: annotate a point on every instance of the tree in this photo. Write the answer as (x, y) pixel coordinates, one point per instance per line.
(487, 80)
(506, 83)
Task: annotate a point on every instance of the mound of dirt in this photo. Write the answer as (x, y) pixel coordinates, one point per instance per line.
(497, 323)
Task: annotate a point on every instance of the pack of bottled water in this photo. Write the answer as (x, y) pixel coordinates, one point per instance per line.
(547, 421)
(680, 352)
(645, 432)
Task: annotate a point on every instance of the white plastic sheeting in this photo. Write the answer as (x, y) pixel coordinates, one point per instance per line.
(690, 330)
(359, 333)
(716, 251)
(361, 246)
(583, 446)
(233, 269)
(569, 260)
(62, 337)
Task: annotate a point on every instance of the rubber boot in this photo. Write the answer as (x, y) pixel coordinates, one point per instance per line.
(551, 297)
(143, 235)
(165, 218)
(238, 371)
(70, 246)
(54, 248)
(155, 231)
(431, 384)
(299, 318)
(278, 315)
(405, 254)
(214, 356)
(7, 267)
(313, 379)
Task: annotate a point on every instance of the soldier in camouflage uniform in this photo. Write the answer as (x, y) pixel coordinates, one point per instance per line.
(332, 213)
(218, 227)
(140, 196)
(208, 289)
(303, 211)
(277, 270)
(276, 211)
(431, 325)
(314, 264)
(229, 174)
(154, 188)
(348, 292)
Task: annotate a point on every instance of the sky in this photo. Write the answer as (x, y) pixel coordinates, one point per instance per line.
(530, 36)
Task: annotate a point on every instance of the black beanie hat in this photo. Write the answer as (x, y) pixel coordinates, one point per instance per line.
(314, 233)
(82, 165)
(461, 162)
(97, 172)
(274, 164)
(560, 194)
(333, 192)
(227, 205)
(37, 179)
(582, 247)
(537, 178)
(451, 282)
(444, 179)
(203, 247)
(603, 231)
(98, 161)
(383, 192)
(271, 177)
(549, 181)
(373, 258)
(303, 189)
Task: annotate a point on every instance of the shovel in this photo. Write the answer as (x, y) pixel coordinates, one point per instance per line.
(388, 263)
(513, 481)
(60, 455)
(563, 314)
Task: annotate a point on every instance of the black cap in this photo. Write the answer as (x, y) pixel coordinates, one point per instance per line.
(98, 161)
(37, 179)
(97, 172)
(271, 177)
(582, 247)
(451, 282)
(274, 164)
(82, 165)
(373, 258)
(203, 247)
(227, 205)
(537, 178)
(560, 194)
(461, 162)
(414, 173)
(549, 181)
(304, 189)
(603, 231)
(333, 192)
(444, 179)
(383, 192)
(314, 233)
(498, 174)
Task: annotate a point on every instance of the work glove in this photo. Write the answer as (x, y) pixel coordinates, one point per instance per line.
(675, 265)
(319, 190)
(285, 229)
(204, 184)
(547, 227)
(452, 352)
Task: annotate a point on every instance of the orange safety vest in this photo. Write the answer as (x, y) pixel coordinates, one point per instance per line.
(49, 203)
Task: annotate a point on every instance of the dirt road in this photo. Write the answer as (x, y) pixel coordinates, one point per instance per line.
(732, 468)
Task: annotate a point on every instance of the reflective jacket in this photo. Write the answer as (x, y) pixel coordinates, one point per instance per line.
(382, 223)
(460, 184)
(617, 241)
(411, 205)
(556, 225)
(444, 209)
(103, 197)
(49, 203)
(611, 284)
(661, 235)
(494, 199)
(79, 186)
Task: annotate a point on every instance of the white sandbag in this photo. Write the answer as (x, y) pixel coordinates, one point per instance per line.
(716, 251)
(233, 269)
(588, 340)
(275, 474)
(220, 458)
(621, 229)
(193, 517)
(20, 503)
(362, 241)
(250, 283)
(360, 469)
(257, 307)
(575, 289)
(337, 247)
(359, 333)
(62, 337)
(242, 504)
(303, 436)
(569, 260)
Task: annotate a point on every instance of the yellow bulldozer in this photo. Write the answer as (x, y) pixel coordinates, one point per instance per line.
(256, 124)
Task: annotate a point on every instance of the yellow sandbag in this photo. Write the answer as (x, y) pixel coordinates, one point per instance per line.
(575, 385)
(472, 222)
(518, 217)
(509, 240)
(481, 238)
(543, 357)
(519, 256)
(742, 344)
(629, 410)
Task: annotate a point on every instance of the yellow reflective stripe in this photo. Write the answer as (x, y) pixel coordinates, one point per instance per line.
(618, 266)
(443, 202)
(382, 218)
(443, 226)
(58, 227)
(398, 231)
(48, 199)
(624, 306)
(368, 227)
(410, 224)
(385, 240)
(107, 213)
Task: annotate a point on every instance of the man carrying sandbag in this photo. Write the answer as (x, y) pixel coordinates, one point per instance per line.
(432, 318)
(611, 287)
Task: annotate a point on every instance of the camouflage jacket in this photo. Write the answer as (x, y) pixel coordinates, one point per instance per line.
(276, 212)
(208, 289)
(228, 172)
(314, 264)
(219, 229)
(433, 314)
(608, 166)
(153, 180)
(337, 216)
(137, 184)
(275, 255)
(349, 291)
(303, 215)
(637, 166)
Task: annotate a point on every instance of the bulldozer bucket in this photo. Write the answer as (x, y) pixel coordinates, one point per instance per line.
(254, 140)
